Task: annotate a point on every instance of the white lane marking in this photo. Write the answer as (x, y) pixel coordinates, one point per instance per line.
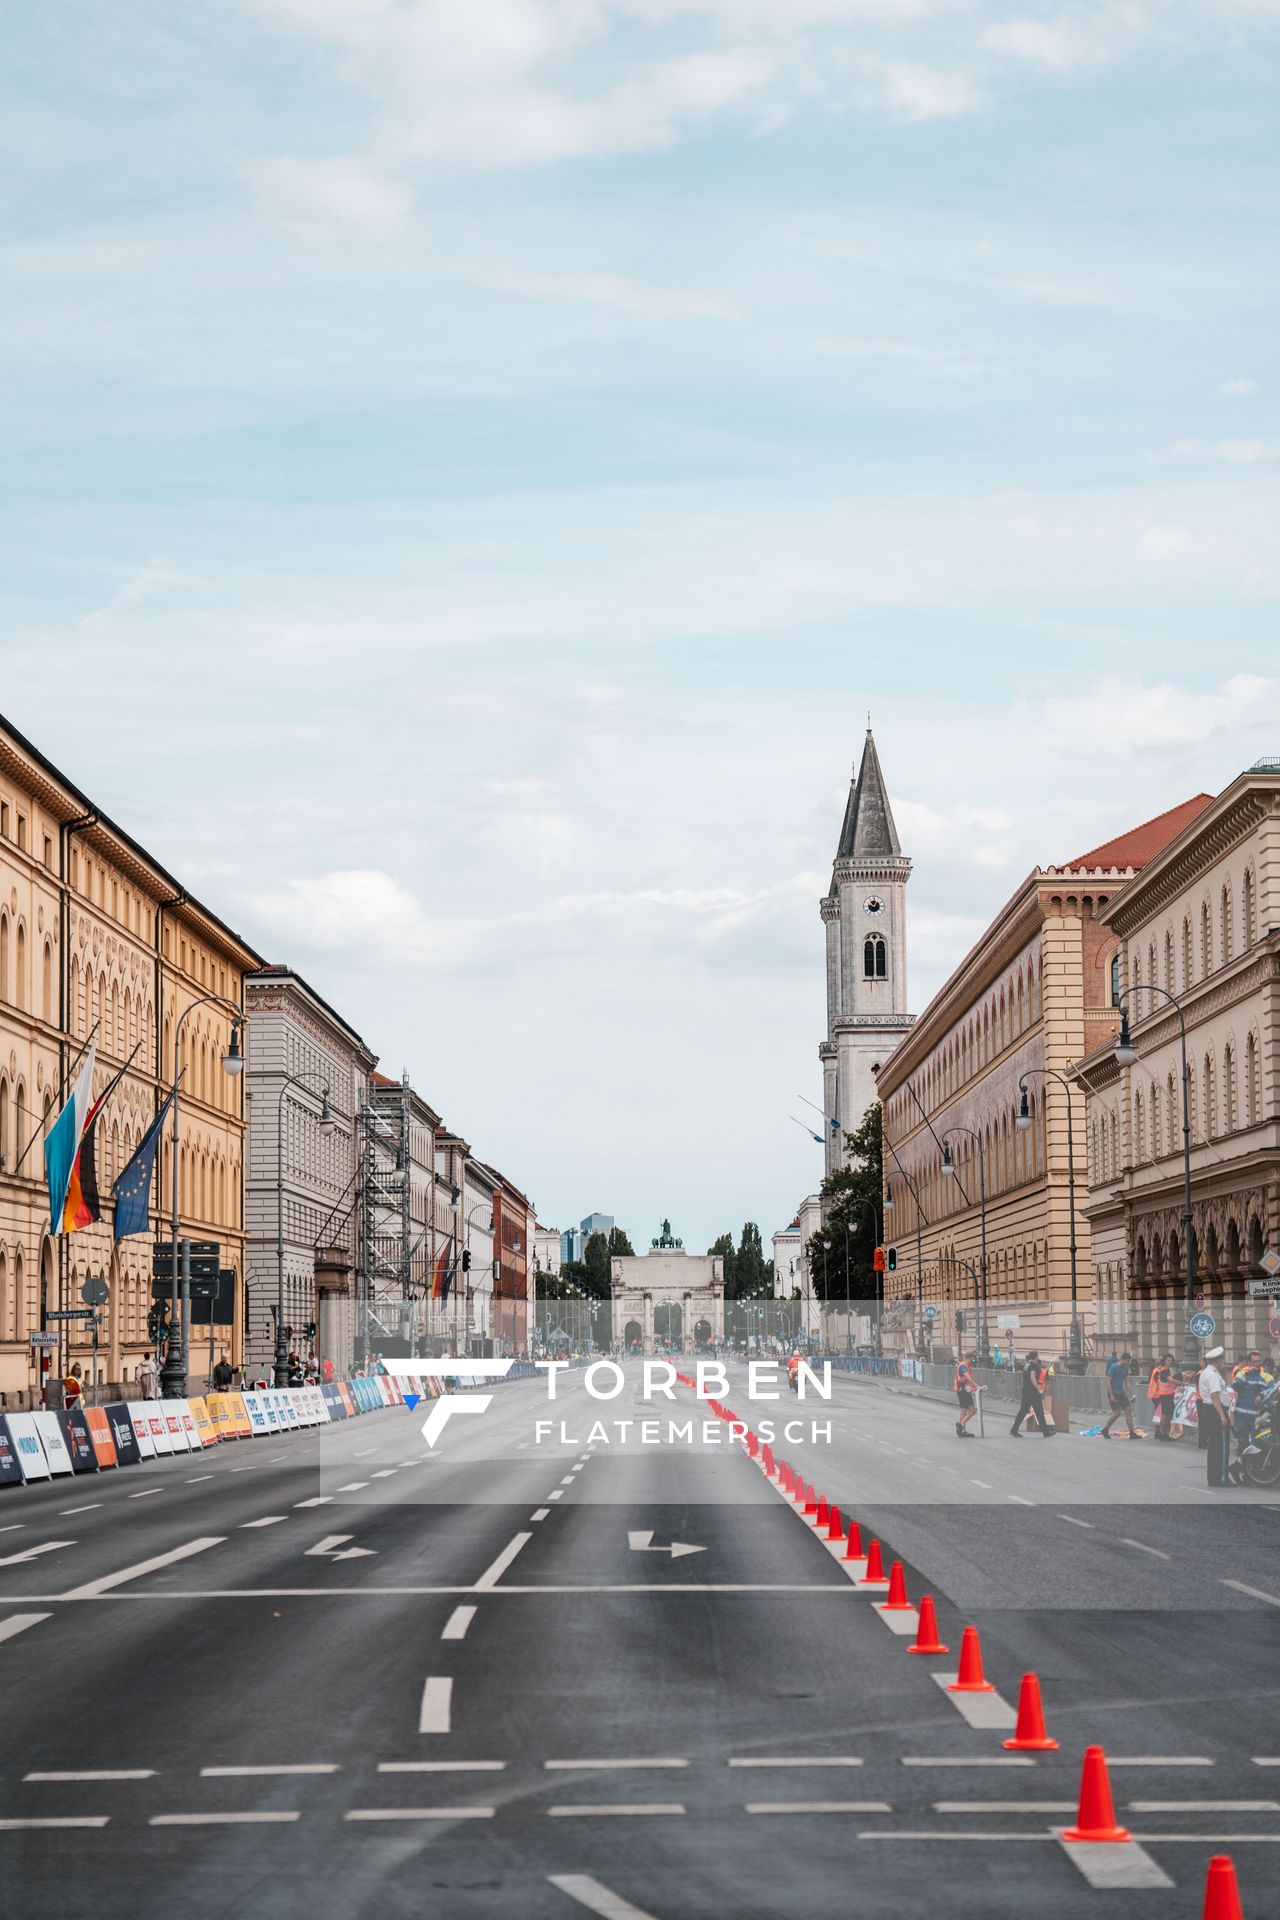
(194, 1479)
(364, 1453)
(247, 1469)
(31, 1553)
(491, 1575)
(271, 1520)
(1073, 1522)
(15, 1526)
(144, 1493)
(1204, 1806)
(567, 1481)
(541, 1513)
(1254, 1593)
(984, 1484)
(109, 1580)
(615, 1809)
(557, 1495)
(442, 1766)
(1160, 1760)
(811, 1589)
(19, 1622)
(1004, 1806)
(597, 1899)
(353, 1486)
(253, 1773)
(986, 1710)
(1266, 1760)
(419, 1813)
(1018, 1497)
(1115, 1863)
(100, 1773)
(437, 1705)
(70, 1820)
(64, 1513)
(256, 1819)
(1142, 1547)
(817, 1806)
(575, 1766)
(384, 1473)
(316, 1500)
(975, 1760)
(455, 1627)
(792, 1760)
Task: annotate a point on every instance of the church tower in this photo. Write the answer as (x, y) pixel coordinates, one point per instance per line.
(865, 915)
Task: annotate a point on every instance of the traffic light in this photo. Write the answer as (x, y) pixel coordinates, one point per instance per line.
(891, 1260)
(878, 1262)
(466, 1260)
(960, 1323)
(311, 1329)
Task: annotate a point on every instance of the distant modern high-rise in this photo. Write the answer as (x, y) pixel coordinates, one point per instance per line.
(596, 1223)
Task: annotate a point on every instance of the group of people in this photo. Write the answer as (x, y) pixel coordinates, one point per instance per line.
(1037, 1381)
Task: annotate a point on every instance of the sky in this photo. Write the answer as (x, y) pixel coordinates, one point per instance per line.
(470, 469)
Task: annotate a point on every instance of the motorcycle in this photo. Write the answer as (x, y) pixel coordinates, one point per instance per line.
(1261, 1458)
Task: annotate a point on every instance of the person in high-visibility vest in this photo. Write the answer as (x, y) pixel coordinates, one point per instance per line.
(71, 1387)
(1161, 1388)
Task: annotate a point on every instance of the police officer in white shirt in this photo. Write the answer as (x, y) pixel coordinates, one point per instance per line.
(1215, 1423)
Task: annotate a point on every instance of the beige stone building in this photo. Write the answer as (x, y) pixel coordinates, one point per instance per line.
(96, 938)
(1035, 992)
(1202, 922)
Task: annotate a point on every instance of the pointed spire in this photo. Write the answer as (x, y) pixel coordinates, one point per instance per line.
(868, 832)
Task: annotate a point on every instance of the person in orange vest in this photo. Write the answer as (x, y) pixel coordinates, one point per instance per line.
(71, 1387)
(966, 1390)
(1161, 1388)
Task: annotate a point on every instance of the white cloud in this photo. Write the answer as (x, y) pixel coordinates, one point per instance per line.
(1154, 715)
(617, 291)
(1232, 453)
(1238, 389)
(335, 196)
(912, 92)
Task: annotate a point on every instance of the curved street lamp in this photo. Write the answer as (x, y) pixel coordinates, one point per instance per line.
(1076, 1352)
(173, 1375)
(949, 1168)
(1126, 1055)
(327, 1124)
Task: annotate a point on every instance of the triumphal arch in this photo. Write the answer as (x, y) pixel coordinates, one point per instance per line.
(667, 1299)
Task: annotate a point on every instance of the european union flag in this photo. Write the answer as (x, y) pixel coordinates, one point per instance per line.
(132, 1190)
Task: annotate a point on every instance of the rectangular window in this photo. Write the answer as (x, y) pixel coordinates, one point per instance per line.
(48, 852)
(22, 831)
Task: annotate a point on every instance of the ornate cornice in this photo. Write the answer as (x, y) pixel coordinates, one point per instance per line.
(829, 907)
(885, 1022)
(885, 870)
(1213, 996)
(1176, 871)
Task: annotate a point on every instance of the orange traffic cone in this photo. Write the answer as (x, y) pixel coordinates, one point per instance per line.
(1221, 1894)
(835, 1526)
(897, 1601)
(767, 1461)
(810, 1501)
(970, 1678)
(853, 1549)
(1030, 1735)
(822, 1516)
(1095, 1814)
(874, 1575)
(926, 1640)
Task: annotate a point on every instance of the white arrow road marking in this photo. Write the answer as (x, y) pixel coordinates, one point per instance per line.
(642, 1543)
(328, 1548)
(30, 1553)
(589, 1893)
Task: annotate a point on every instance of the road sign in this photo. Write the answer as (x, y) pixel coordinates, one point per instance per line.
(1265, 1289)
(74, 1313)
(931, 1313)
(1008, 1320)
(204, 1260)
(95, 1291)
(1202, 1325)
(1199, 1299)
(1270, 1262)
(43, 1339)
(1273, 1326)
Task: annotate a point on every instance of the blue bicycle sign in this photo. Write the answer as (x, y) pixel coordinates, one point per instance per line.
(1202, 1325)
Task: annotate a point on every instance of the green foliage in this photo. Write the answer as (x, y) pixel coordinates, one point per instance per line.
(747, 1274)
(595, 1259)
(620, 1245)
(724, 1247)
(840, 1263)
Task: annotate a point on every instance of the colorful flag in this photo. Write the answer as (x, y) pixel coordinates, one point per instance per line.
(132, 1190)
(82, 1205)
(62, 1142)
(444, 1274)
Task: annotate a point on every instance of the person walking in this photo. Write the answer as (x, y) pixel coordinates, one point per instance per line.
(71, 1386)
(1212, 1392)
(966, 1389)
(1118, 1396)
(1161, 1388)
(1032, 1402)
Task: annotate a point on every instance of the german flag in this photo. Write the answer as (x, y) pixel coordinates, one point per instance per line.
(443, 1275)
(83, 1205)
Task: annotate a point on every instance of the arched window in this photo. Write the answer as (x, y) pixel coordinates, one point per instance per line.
(1228, 1089)
(20, 972)
(873, 957)
(1115, 979)
(1248, 919)
(4, 956)
(1210, 1098)
(46, 994)
(1152, 975)
(1157, 1142)
(1168, 960)
(1206, 941)
(1139, 1129)
(1227, 928)
(1171, 1116)
(1186, 951)
(4, 1126)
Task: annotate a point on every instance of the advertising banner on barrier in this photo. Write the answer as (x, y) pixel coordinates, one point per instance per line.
(128, 1451)
(204, 1425)
(239, 1415)
(100, 1433)
(286, 1412)
(334, 1404)
(345, 1395)
(175, 1432)
(319, 1405)
(139, 1412)
(257, 1414)
(56, 1451)
(75, 1431)
(190, 1431)
(219, 1416)
(10, 1471)
(26, 1439)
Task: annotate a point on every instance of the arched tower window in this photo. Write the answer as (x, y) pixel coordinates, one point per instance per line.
(873, 957)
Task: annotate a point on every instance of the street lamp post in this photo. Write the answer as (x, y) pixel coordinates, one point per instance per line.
(920, 1216)
(1076, 1352)
(173, 1376)
(326, 1127)
(1126, 1055)
(948, 1167)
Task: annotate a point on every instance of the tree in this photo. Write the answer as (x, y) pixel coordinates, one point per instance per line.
(753, 1274)
(595, 1260)
(724, 1247)
(842, 1264)
(620, 1245)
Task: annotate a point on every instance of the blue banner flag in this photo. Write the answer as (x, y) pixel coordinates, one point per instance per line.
(132, 1190)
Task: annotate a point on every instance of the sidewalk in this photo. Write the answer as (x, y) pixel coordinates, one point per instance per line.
(992, 1406)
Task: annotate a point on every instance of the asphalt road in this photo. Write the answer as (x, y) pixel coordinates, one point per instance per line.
(512, 1699)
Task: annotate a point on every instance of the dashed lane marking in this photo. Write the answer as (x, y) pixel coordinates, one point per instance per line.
(270, 1520)
(597, 1899)
(1071, 1521)
(193, 1480)
(817, 1806)
(557, 1495)
(257, 1818)
(617, 1810)
(602, 1766)
(385, 1473)
(973, 1760)
(1255, 1593)
(455, 1627)
(64, 1513)
(435, 1713)
(1004, 1806)
(800, 1760)
(442, 1766)
(567, 1481)
(92, 1588)
(1266, 1760)
(1018, 1497)
(984, 1484)
(143, 1494)
(14, 1526)
(316, 1500)
(1142, 1547)
(418, 1813)
(541, 1513)
(99, 1773)
(353, 1486)
(1161, 1760)
(19, 1622)
(68, 1820)
(492, 1574)
(254, 1773)
(1204, 1806)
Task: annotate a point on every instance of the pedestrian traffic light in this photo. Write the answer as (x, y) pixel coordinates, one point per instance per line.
(311, 1329)
(959, 1323)
(878, 1261)
(891, 1259)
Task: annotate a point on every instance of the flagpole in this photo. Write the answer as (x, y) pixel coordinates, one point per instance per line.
(58, 1096)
